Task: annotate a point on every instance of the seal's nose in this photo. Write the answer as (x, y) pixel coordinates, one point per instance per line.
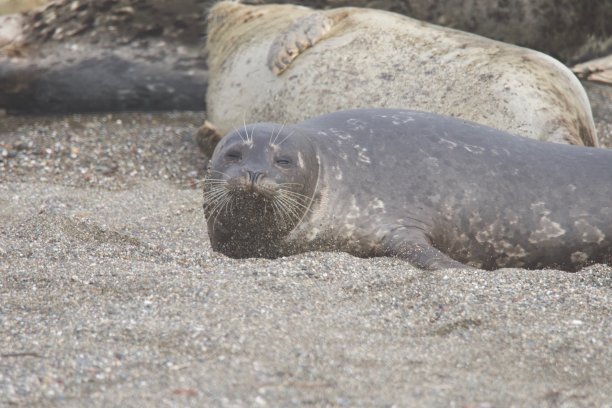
(254, 176)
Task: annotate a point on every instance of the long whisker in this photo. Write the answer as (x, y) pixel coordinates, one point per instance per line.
(293, 200)
(291, 184)
(290, 205)
(220, 172)
(246, 131)
(212, 182)
(213, 189)
(239, 134)
(212, 197)
(213, 205)
(217, 210)
(208, 176)
(290, 134)
(227, 204)
(294, 194)
(252, 132)
(279, 132)
(210, 185)
(214, 218)
(276, 209)
(285, 211)
(314, 190)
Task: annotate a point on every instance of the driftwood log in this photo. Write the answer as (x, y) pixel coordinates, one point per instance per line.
(104, 55)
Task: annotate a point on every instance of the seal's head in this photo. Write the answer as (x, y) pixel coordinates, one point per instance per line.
(260, 184)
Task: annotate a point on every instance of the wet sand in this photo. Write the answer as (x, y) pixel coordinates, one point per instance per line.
(111, 296)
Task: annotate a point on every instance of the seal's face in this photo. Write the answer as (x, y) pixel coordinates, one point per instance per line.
(259, 185)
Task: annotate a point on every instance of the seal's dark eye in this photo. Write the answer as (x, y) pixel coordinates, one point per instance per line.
(283, 161)
(233, 155)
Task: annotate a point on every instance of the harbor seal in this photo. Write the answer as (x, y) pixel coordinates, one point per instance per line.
(286, 63)
(439, 192)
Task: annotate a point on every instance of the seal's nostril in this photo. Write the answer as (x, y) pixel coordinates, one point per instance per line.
(254, 176)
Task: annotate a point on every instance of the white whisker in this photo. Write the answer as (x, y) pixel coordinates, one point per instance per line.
(252, 131)
(279, 132)
(291, 184)
(220, 172)
(245, 128)
(294, 194)
(239, 134)
(290, 205)
(290, 134)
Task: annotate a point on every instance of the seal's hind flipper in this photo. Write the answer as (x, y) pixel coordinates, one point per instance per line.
(207, 137)
(301, 35)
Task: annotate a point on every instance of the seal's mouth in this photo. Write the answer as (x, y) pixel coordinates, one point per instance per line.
(252, 188)
(242, 199)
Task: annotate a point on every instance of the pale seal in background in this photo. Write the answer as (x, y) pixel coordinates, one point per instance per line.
(571, 31)
(19, 6)
(285, 63)
(439, 192)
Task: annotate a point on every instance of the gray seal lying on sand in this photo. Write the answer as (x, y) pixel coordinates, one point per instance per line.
(285, 63)
(437, 191)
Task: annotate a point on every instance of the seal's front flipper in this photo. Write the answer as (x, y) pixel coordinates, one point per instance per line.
(416, 249)
(429, 258)
(301, 35)
(207, 137)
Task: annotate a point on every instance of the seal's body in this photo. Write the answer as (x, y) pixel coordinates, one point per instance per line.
(286, 63)
(434, 190)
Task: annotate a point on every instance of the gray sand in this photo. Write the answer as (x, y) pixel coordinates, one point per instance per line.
(111, 296)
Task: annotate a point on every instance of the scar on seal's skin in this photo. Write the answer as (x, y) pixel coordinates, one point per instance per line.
(207, 137)
(301, 35)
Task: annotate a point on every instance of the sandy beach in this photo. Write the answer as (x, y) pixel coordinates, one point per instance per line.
(111, 296)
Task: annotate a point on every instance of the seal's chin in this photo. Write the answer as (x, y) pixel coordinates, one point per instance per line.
(244, 210)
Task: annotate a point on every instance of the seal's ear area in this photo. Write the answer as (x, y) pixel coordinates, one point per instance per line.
(304, 33)
(207, 137)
